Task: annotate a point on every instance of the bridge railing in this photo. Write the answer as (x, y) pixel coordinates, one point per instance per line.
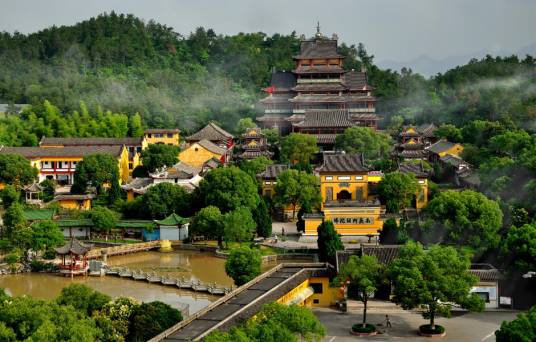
(229, 296)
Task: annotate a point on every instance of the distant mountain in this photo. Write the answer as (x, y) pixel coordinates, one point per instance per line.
(428, 66)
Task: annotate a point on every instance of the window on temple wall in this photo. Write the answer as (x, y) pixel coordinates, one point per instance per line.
(317, 287)
(329, 194)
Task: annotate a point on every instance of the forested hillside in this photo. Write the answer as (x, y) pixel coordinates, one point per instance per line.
(96, 75)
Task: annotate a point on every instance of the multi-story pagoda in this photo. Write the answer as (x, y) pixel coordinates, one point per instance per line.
(253, 144)
(413, 140)
(318, 97)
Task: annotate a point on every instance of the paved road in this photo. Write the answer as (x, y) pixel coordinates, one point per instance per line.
(462, 327)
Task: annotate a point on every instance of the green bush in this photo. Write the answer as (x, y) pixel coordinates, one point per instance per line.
(427, 329)
(12, 258)
(367, 329)
(49, 254)
(38, 266)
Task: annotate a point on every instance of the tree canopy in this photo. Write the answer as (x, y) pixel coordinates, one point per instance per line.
(364, 274)
(468, 217)
(397, 189)
(329, 242)
(298, 148)
(373, 144)
(97, 170)
(156, 156)
(520, 245)
(16, 170)
(521, 329)
(208, 222)
(433, 279)
(228, 188)
(238, 225)
(243, 264)
(297, 188)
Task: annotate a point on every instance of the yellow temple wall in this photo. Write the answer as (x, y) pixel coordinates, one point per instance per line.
(196, 155)
(327, 298)
(75, 204)
(174, 140)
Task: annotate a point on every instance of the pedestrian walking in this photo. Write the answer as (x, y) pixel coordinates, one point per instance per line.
(387, 321)
(283, 231)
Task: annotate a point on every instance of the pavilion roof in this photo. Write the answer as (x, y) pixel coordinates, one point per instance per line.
(73, 246)
(356, 80)
(343, 162)
(171, 220)
(35, 187)
(210, 146)
(441, 146)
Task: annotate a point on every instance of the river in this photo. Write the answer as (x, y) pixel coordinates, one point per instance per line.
(179, 263)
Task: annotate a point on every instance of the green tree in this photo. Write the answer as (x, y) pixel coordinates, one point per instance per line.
(298, 148)
(228, 188)
(83, 298)
(49, 188)
(296, 188)
(244, 124)
(433, 280)
(16, 170)
(521, 329)
(46, 235)
(157, 156)
(275, 322)
(373, 144)
(449, 132)
(520, 244)
(135, 127)
(163, 199)
(364, 274)
(396, 190)
(97, 170)
(14, 219)
(467, 216)
(263, 220)
(243, 264)
(209, 223)
(104, 220)
(389, 232)
(150, 319)
(300, 223)
(119, 312)
(329, 242)
(37, 320)
(9, 195)
(255, 166)
(238, 225)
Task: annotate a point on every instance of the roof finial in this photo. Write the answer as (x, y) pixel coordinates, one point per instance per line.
(318, 34)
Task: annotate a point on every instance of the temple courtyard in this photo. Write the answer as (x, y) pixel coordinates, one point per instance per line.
(461, 327)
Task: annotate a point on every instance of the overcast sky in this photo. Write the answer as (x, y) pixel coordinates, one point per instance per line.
(390, 29)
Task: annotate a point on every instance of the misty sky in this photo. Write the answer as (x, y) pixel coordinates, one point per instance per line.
(390, 29)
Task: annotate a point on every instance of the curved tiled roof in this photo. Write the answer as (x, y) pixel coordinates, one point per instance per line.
(68, 151)
(272, 171)
(73, 247)
(210, 146)
(343, 162)
(89, 141)
(325, 118)
(318, 48)
(211, 132)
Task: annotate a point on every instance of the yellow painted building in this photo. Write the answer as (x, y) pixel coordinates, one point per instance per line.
(167, 136)
(417, 168)
(59, 164)
(348, 198)
(198, 153)
(75, 202)
(313, 292)
(442, 148)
